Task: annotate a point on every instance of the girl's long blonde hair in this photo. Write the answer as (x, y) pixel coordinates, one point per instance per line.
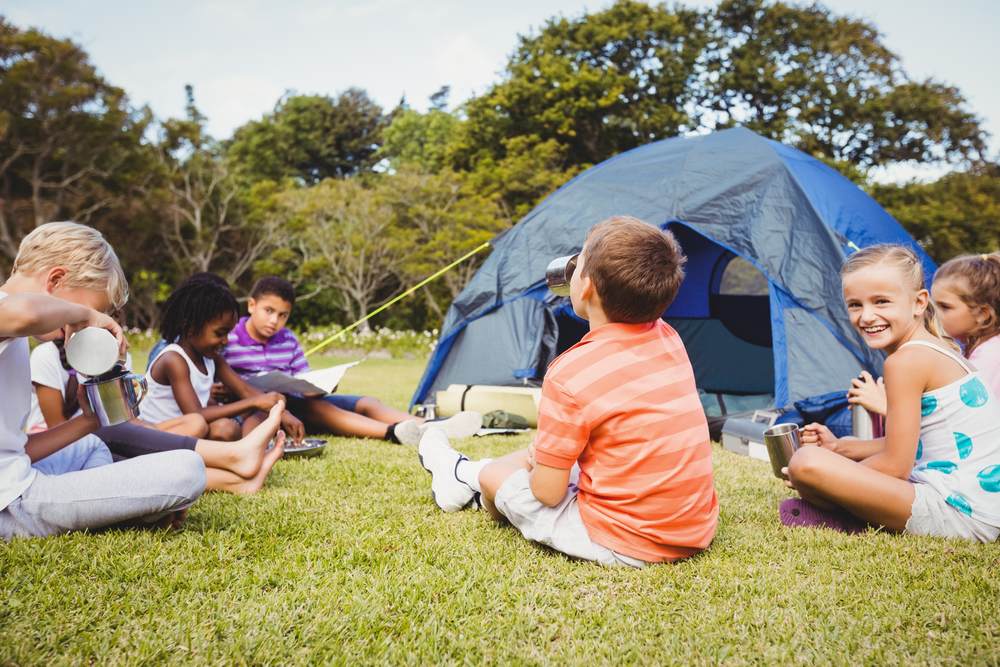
(910, 269)
(978, 278)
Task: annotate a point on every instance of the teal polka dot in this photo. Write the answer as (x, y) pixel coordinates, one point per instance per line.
(964, 445)
(973, 393)
(928, 404)
(920, 449)
(947, 467)
(989, 479)
(960, 502)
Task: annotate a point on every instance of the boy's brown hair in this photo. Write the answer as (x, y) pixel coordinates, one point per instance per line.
(636, 268)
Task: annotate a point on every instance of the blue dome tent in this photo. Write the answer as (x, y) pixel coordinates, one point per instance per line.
(765, 229)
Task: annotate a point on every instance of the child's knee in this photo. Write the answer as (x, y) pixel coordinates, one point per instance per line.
(188, 476)
(806, 464)
(225, 429)
(196, 425)
(491, 478)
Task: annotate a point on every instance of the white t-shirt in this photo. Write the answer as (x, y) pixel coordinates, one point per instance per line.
(16, 473)
(46, 370)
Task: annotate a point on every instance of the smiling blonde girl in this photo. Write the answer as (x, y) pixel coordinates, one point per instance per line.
(937, 470)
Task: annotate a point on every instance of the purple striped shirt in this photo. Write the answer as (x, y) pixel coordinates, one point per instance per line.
(247, 356)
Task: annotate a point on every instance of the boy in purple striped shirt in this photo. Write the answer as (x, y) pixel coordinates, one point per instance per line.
(260, 343)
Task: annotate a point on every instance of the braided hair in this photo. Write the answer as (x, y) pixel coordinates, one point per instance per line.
(193, 305)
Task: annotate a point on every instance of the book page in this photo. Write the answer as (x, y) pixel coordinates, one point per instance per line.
(327, 378)
(318, 382)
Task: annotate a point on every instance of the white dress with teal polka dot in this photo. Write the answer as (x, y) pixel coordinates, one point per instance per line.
(958, 453)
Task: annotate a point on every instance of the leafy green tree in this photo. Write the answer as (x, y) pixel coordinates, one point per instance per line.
(310, 138)
(71, 146)
(529, 170)
(437, 218)
(423, 140)
(345, 240)
(828, 85)
(956, 214)
(207, 222)
(597, 85)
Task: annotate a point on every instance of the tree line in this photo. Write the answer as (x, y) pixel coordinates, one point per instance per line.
(354, 202)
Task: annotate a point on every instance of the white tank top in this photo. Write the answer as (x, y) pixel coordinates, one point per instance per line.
(160, 404)
(958, 453)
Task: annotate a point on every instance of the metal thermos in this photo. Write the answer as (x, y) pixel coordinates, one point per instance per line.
(864, 424)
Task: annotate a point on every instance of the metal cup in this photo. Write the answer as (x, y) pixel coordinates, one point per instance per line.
(559, 272)
(92, 351)
(781, 441)
(114, 397)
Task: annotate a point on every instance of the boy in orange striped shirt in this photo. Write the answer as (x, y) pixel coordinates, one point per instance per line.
(620, 471)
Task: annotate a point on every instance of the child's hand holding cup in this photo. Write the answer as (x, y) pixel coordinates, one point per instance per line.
(819, 435)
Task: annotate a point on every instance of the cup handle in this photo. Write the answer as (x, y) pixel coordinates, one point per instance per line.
(139, 383)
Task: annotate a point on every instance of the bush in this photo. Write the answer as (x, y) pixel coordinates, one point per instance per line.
(405, 344)
(385, 342)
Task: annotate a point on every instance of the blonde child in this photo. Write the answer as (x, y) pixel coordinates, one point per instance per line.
(937, 470)
(240, 467)
(64, 278)
(966, 293)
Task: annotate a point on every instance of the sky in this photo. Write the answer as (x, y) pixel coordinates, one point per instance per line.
(243, 55)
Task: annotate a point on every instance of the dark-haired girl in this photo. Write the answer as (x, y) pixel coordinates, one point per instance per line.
(199, 316)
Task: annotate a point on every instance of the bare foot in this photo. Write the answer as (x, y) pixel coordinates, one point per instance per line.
(254, 484)
(248, 453)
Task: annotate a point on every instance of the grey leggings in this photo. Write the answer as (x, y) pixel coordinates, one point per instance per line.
(129, 440)
(137, 491)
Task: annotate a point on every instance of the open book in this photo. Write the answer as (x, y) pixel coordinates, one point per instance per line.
(322, 381)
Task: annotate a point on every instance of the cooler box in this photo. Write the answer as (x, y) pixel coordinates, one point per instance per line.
(745, 436)
(486, 398)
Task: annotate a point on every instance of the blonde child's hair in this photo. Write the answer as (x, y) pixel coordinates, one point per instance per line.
(978, 279)
(912, 271)
(88, 258)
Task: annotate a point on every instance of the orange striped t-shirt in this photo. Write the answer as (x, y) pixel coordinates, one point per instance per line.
(623, 404)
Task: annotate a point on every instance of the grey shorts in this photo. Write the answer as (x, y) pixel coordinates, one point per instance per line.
(559, 527)
(931, 515)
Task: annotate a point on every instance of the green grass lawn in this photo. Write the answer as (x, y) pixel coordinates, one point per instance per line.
(345, 559)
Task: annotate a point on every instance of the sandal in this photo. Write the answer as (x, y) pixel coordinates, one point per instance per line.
(799, 513)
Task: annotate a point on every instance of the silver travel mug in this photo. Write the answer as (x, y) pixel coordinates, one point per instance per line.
(862, 423)
(781, 441)
(559, 272)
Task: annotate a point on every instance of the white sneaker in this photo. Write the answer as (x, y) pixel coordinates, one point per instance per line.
(408, 432)
(465, 424)
(440, 460)
(462, 425)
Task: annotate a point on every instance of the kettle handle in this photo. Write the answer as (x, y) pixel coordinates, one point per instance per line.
(141, 387)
